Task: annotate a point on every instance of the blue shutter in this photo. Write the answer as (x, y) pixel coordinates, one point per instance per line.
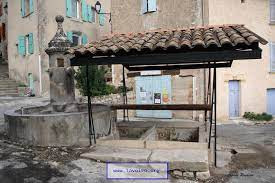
(84, 39)
(144, 8)
(70, 36)
(84, 11)
(31, 6)
(93, 15)
(90, 18)
(272, 57)
(69, 8)
(22, 8)
(21, 45)
(152, 5)
(101, 17)
(30, 46)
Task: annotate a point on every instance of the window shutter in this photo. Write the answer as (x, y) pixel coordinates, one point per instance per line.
(152, 5)
(31, 6)
(70, 36)
(84, 39)
(93, 15)
(101, 17)
(144, 8)
(272, 11)
(272, 57)
(21, 45)
(30, 46)
(84, 11)
(22, 8)
(69, 8)
(89, 7)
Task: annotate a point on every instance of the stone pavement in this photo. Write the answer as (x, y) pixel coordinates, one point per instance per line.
(254, 161)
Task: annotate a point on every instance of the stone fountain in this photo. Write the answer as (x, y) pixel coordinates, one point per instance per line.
(63, 122)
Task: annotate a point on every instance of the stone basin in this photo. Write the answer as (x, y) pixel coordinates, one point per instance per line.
(63, 125)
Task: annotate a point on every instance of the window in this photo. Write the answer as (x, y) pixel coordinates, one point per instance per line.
(272, 11)
(149, 6)
(75, 8)
(26, 7)
(25, 45)
(77, 38)
(272, 57)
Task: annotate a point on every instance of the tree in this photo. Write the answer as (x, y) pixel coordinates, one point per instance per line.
(97, 83)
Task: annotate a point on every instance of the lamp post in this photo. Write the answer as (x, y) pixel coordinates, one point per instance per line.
(97, 8)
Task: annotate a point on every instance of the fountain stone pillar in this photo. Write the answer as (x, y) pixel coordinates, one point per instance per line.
(60, 72)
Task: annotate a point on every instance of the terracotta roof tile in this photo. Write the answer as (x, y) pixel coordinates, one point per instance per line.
(196, 38)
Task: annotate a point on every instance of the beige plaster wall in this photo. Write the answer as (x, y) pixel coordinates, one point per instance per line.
(128, 17)
(42, 24)
(254, 75)
(19, 66)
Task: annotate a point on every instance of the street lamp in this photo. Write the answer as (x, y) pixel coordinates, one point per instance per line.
(97, 8)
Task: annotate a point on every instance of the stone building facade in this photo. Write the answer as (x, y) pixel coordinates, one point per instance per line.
(249, 86)
(32, 25)
(3, 31)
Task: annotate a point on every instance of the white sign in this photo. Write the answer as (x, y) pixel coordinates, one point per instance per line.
(150, 73)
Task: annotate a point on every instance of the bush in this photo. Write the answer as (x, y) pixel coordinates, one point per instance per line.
(257, 117)
(97, 83)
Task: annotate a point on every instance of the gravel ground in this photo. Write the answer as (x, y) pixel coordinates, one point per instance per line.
(246, 154)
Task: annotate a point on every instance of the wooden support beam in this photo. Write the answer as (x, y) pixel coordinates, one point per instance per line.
(175, 67)
(171, 58)
(197, 107)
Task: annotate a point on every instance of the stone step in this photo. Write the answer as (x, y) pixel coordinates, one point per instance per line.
(9, 95)
(189, 160)
(8, 81)
(9, 86)
(8, 90)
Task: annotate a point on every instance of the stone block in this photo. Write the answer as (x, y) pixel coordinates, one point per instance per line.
(203, 175)
(107, 154)
(139, 144)
(189, 160)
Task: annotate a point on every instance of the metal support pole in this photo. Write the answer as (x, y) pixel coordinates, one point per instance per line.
(91, 122)
(215, 117)
(211, 112)
(125, 98)
(205, 99)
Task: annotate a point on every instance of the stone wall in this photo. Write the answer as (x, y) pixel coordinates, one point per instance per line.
(113, 99)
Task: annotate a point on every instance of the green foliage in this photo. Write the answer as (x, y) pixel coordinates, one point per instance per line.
(22, 85)
(97, 83)
(257, 117)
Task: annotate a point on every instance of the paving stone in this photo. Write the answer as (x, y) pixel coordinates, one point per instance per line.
(203, 175)
(188, 160)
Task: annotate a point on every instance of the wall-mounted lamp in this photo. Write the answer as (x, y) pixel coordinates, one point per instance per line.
(97, 8)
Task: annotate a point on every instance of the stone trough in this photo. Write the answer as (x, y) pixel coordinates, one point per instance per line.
(182, 144)
(50, 125)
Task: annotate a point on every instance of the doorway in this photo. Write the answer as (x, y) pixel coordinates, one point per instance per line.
(234, 98)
